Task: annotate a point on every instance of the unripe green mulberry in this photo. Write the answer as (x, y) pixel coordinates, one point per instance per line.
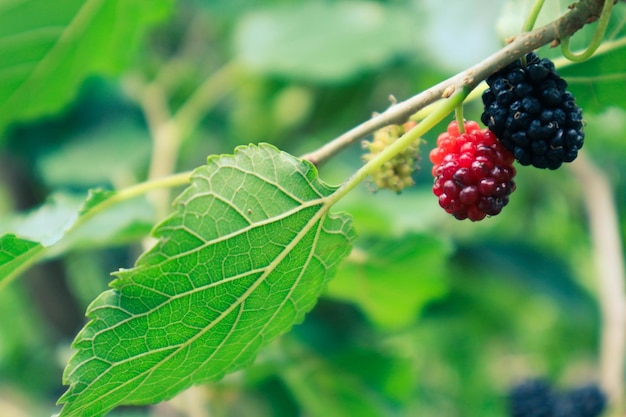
(395, 174)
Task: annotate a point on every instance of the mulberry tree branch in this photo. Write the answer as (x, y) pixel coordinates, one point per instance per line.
(580, 13)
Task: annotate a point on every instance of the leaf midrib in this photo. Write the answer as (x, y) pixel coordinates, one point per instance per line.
(251, 226)
(295, 285)
(232, 235)
(325, 206)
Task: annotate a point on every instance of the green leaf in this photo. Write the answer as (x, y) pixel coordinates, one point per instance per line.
(325, 41)
(392, 279)
(48, 223)
(15, 254)
(95, 197)
(45, 232)
(27, 237)
(246, 254)
(128, 220)
(600, 81)
(51, 223)
(49, 47)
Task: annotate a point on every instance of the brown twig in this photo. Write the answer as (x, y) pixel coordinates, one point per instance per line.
(565, 26)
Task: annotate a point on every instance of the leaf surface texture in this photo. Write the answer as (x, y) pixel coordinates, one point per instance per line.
(246, 254)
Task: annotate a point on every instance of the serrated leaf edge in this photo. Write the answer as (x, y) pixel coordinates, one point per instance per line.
(325, 203)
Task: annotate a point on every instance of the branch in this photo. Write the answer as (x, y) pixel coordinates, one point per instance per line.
(607, 248)
(169, 131)
(166, 139)
(582, 12)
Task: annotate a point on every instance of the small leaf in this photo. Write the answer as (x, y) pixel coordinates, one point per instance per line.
(94, 198)
(246, 254)
(15, 254)
(48, 223)
(45, 231)
(125, 221)
(391, 279)
(49, 47)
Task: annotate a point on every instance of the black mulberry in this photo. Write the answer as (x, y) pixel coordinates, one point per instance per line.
(532, 398)
(585, 401)
(532, 114)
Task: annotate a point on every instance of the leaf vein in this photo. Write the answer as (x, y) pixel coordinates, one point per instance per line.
(291, 289)
(317, 216)
(243, 230)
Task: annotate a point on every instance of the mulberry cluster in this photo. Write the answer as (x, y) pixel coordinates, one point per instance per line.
(535, 398)
(473, 172)
(395, 174)
(532, 114)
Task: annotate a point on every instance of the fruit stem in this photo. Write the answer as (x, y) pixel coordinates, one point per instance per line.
(598, 35)
(531, 19)
(438, 114)
(460, 121)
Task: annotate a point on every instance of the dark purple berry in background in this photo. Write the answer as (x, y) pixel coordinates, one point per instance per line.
(585, 401)
(535, 398)
(532, 398)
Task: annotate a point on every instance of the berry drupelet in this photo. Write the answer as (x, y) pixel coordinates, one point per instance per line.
(530, 111)
(473, 172)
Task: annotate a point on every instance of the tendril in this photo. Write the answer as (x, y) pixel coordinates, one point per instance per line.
(598, 35)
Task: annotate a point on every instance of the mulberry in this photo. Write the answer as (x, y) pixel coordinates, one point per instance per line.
(532, 398)
(397, 173)
(473, 172)
(532, 113)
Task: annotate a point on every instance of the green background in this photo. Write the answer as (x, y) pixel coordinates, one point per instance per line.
(440, 319)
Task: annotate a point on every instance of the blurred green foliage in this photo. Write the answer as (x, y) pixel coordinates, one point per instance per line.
(441, 317)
